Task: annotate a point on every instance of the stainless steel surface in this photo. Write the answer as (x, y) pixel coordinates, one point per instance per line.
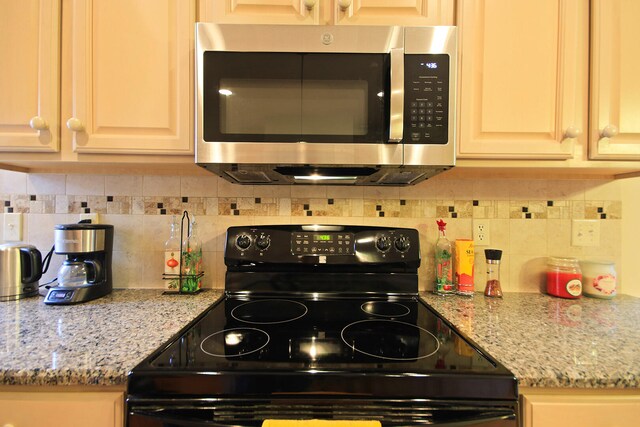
(78, 241)
(233, 160)
(435, 40)
(396, 119)
(12, 272)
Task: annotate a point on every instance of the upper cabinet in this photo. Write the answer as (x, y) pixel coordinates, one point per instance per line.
(615, 86)
(29, 75)
(320, 12)
(127, 79)
(114, 78)
(523, 78)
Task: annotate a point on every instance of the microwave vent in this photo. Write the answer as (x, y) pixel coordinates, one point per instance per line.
(244, 176)
(401, 177)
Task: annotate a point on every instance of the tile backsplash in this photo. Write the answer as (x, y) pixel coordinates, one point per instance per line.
(529, 219)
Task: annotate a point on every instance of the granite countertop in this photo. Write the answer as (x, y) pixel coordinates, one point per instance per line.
(544, 341)
(553, 342)
(95, 343)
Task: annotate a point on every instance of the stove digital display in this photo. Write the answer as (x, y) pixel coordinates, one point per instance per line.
(322, 244)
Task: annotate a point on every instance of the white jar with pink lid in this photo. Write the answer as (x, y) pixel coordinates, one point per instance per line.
(599, 278)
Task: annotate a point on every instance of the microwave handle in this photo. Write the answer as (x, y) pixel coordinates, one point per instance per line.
(396, 119)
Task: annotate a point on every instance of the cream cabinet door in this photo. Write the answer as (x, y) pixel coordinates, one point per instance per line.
(314, 12)
(580, 410)
(29, 75)
(62, 409)
(523, 78)
(615, 80)
(129, 77)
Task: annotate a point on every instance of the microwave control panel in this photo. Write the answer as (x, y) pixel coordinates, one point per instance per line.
(426, 108)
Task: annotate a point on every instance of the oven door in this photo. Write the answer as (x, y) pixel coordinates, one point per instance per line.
(249, 413)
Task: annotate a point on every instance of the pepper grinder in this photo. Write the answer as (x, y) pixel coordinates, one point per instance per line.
(492, 289)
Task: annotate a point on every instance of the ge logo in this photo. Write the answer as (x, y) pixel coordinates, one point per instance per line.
(327, 38)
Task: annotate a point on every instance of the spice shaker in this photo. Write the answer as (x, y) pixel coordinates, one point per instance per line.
(493, 289)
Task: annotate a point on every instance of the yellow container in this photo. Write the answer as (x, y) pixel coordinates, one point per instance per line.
(464, 258)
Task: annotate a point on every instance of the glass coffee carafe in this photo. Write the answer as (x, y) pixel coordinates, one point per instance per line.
(79, 273)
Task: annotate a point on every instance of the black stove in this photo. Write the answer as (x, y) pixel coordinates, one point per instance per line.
(321, 322)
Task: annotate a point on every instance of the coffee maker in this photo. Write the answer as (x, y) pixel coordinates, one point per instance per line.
(85, 273)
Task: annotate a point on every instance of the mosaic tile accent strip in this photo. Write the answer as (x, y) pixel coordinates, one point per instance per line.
(316, 207)
(248, 206)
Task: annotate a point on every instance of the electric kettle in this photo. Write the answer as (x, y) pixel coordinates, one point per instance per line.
(20, 271)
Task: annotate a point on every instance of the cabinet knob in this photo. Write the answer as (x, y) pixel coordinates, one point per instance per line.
(572, 132)
(609, 131)
(38, 123)
(310, 4)
(75, 125)
(344, 4)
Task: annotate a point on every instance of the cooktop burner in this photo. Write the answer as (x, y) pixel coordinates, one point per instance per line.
(390, 339)
(269, 311)
(385, 309)
(235, 342)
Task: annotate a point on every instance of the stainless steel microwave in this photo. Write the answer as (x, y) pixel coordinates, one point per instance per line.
(356, 105)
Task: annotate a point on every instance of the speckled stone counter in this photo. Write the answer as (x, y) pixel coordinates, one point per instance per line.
(95, 343)
(544, 341)
(553, 342)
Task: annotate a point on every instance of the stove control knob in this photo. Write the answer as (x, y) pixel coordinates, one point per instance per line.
(383, 243)
(402, 243)
(243, 242)
(263, 241)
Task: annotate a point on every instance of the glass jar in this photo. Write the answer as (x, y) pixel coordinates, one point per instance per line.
(564, 277)
(598, 279)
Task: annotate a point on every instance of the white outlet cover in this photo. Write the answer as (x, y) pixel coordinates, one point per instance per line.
(585, 232)
(481, 232)
(12, 229)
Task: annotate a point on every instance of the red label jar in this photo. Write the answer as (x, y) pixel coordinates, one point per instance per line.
(564, 278)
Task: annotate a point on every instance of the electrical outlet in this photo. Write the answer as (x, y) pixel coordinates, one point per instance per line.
(94, 217)
(481, 232)
(585, 232)
(12, 230)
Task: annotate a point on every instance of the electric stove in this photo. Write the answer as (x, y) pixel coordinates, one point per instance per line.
(321, 322)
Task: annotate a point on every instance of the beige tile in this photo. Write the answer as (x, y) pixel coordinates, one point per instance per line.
(526, 274)
(275, 191)
(338, 192)
(603, 190)
(309, 191)
(85, 185)
(228, 189)
(572, 189)
(532, 189)
(426, 190)
(13, 182)
(46, 184)
(490, 189)
(381, 193)
(199, 186)
(455, 189)
(168, 186)
(123, 185)
(528, 237)
(128, 232)
(127, 271)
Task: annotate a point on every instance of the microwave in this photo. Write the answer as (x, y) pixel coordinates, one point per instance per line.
(354, 105)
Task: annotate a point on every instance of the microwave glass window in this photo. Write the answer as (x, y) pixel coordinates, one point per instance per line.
(334, 107)
(290, 97)
(273, 106)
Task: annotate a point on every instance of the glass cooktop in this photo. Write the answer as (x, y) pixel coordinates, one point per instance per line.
(390, 335)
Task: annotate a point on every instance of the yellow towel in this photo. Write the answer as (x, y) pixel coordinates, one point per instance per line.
(320, 423)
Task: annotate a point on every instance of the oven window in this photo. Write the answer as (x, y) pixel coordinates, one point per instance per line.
(290, 97)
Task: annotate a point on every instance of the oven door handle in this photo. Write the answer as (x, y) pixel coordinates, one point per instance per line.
(505, 420)
(396, 98)
(138, 418)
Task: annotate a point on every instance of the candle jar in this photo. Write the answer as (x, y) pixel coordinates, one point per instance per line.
(564, 277)
(598, 279)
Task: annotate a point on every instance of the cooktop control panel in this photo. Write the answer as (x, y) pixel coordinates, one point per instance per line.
(321, 244)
